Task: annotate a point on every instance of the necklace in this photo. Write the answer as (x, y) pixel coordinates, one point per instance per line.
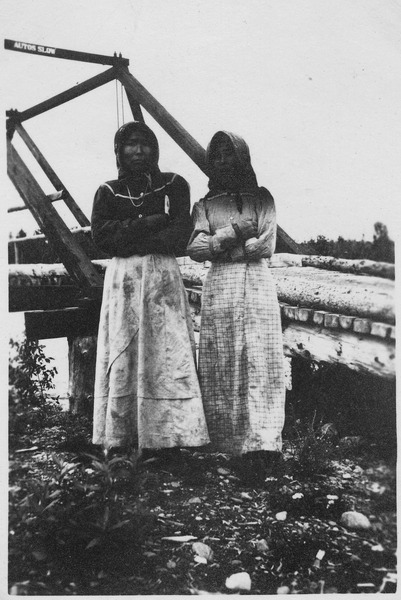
(141, 195)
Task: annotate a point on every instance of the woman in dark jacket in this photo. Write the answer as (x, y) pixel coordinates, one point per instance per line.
(146, 387)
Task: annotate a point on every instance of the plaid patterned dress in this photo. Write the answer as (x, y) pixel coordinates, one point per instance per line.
(241, 366)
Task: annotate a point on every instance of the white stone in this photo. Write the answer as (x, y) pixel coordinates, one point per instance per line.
(355, 520)
(239, 581)
(202, 550)
(262, 546)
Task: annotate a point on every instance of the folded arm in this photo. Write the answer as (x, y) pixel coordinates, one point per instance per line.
(264, 243)
(227, 242)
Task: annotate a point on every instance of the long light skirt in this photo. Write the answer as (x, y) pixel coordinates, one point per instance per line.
(241, 364)
(146, 387)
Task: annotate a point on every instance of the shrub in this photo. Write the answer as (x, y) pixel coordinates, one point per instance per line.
(76, 519)
(30, 383)
(311, 448)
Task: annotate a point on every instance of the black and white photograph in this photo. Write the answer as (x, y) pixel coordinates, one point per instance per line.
(202, 217)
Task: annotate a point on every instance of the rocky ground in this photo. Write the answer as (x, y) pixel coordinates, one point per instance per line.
(85, 526)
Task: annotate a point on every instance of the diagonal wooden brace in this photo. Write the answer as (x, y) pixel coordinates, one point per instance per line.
(70, 252)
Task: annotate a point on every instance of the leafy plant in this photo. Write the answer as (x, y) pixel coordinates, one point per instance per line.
(311, 448)
(76, 518)
(30, 382)
(29, 370)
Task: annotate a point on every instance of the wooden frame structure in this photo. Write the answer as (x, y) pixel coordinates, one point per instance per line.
(84, 294)
(64, 301)
(35, 199)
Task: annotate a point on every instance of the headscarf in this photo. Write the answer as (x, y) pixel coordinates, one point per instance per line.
(244, 178)
(122, 134)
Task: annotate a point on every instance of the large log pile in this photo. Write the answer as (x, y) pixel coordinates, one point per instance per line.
(330, 316)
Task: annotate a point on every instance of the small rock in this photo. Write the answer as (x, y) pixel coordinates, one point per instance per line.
(284, 589)
(194, 500)
(222, 471)
(355, 520)
(202, 550)
(200, 559)
(239, 581)
(262, 546)
(179, 538)
(377, 548)
(171, 564)
(281, 516)
(376, 488)
(246, 496)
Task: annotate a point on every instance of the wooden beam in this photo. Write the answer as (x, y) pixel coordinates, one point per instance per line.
(369, 355)
(75, 260)
(137, 92)
(70, 94)
(334, 292)
(44, 297)
(68, 322)
(135, 107)
(286, 244)
(52, 52)
(52, 197)
(81, 367)
(53, 177)
(349, 296)
(360, 267)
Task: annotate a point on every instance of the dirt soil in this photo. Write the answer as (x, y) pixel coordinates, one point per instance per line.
(286, 533)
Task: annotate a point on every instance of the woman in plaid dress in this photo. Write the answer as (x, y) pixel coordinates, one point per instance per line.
(241, 366)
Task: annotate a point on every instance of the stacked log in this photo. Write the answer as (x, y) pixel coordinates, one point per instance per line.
(329, 316)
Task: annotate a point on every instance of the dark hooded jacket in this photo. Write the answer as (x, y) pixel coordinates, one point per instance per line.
(141, 213)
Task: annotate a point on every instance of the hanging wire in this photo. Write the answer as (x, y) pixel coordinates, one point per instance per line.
(118, 112)
(122, 101)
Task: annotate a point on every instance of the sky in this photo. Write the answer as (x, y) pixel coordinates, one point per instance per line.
(313, 86)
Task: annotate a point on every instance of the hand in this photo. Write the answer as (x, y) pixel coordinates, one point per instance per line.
(245, 228)
(156, 222)
(252, 249)
(226, 237)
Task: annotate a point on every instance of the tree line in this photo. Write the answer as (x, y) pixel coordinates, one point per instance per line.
(381, 248)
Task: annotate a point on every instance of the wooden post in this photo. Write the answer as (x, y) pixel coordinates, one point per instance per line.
(81, 367)
(77, 90)
(286, 243)
(160, 114)
(345, 265)
(68, 199)
(52, 52)
(135, 107)
(75, 260)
